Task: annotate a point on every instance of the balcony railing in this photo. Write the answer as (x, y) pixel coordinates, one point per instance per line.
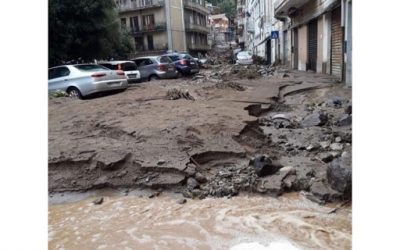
(140, 5)
(136, 31)
(196, 27)
(190, 4)
(195, 46)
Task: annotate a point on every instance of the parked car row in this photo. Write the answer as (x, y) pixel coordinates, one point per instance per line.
(80, 80)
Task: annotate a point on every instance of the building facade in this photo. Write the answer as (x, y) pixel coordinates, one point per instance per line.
(312, 35)
(158, 26)
(221, 29)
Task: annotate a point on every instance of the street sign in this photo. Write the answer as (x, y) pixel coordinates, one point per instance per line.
(274, 34)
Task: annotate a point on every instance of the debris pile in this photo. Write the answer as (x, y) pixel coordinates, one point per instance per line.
(174, 94)
(232, 85)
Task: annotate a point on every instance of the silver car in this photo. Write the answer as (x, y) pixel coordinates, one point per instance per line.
(156, 67)
(129, 67)
(84, 79)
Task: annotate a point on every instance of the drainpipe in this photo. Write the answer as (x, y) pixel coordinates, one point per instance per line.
(183, 27)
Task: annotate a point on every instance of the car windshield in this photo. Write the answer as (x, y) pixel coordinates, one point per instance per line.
(164, 59)
(110, 66)
(90, 67)
(186, 56)
(244, 53)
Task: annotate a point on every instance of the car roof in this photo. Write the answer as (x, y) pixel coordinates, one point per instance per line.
(146, 57)
(116, 62)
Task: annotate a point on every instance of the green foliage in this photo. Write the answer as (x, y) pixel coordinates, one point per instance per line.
(227, 6)
(86, 29)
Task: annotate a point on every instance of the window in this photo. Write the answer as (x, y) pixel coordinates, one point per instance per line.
(129, 66)
(109, 66)
(148, 21)
(90, 67)
(58, 72)
(164, 59)
(123, 22)
(174, 58)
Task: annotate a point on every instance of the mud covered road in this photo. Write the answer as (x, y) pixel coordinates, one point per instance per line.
(204, 147)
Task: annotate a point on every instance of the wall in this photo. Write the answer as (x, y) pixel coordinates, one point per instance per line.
(313, 9)
(302, 31)
(177, 25)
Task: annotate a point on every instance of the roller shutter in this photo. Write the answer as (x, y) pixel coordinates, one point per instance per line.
(336, 45)
(312, 45)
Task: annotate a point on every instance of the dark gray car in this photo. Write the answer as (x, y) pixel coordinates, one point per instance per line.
(155, 67)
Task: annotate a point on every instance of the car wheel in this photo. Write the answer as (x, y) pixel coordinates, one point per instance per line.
(74, 93)
(153, 78)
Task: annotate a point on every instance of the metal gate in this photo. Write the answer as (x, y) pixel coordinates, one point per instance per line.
(285, 48)
(336, 47)
(312, 45)
(268, 50)
(295, 49)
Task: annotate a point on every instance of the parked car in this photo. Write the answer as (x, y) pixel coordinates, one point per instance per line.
(156, 67)
(130, 68)
(184, 63)
(244, 57)
(84, 79)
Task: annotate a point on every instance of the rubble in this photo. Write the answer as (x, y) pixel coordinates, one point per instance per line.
(314, 119)
(344, 120)
(174, 94)
(232, 85)
(263, 165)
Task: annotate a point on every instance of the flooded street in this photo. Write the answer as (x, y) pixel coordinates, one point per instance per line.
(132, 222)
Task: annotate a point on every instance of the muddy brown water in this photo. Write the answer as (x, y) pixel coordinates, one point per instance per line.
(243, 222)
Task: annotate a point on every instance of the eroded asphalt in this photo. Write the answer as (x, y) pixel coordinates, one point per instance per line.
(207, 147)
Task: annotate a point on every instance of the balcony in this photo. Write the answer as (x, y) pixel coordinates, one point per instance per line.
(194, 46)
(192, 5)
(196, 27)
(286, 8)
(148, 28)
(140, 5)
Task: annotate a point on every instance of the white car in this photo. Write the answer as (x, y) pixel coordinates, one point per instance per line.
(129, 67)
(244, 57)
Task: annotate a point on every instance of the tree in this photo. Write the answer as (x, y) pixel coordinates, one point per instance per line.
(85, 29)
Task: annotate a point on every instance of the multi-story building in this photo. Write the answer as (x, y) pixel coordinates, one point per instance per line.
(158, 26)
(221, 29)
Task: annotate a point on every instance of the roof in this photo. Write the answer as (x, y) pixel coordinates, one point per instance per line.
(218, 16)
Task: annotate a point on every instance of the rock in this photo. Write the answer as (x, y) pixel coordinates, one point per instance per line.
(181, 201)
(200, 178)
(303, 178)
(285, 75)
(324, 144)
(192, 183)
(190, 170)
(338, 139)
(288, 181)
(323, 192)
(98, 201)
(280, 116)
(312, 147)
(263, 165)
(314, 119)
(160, 162)
(339, 175)
(110, 160)
(155, 194)
(344, 120)
(348, 109)
(325, 157)
(335, 102)
(336, 146)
